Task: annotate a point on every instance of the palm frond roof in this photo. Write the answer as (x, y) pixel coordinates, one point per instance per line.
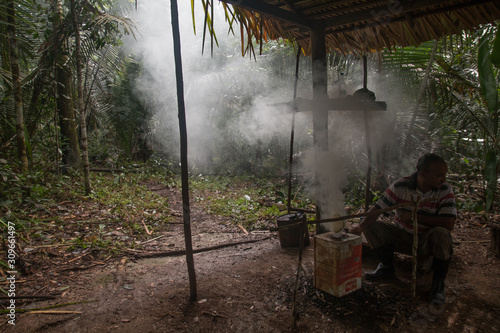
(361, 26)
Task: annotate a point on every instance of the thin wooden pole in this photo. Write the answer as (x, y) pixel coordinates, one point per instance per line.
(184, 165)
(292, 134)
(347, 217)
(368, 141)
(303, 230)
(416, 203)
(56, 114)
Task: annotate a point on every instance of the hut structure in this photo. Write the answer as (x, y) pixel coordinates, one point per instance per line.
(344, 26)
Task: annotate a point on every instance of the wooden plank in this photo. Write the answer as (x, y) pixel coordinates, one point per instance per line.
(336, 104)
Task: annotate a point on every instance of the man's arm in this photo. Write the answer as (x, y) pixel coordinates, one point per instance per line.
(369, 219)
(447, 222)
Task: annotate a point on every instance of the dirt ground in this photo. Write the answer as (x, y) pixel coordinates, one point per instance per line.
(248, 287)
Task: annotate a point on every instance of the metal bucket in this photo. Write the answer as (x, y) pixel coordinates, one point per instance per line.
(290, 237)
(337, 263)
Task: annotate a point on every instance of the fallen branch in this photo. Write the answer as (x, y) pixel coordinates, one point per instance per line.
(81, 268)
(55, 312)
(214, 314)
(8, 282)
(53, 245)
(83, 255)
(476, 241)
(47, 307)
(243, 229)
(205, 249)
(94, 221)
(146, 227)
(27, 297)
(152, 239)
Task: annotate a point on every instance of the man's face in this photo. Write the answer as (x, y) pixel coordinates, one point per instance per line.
(436, 175)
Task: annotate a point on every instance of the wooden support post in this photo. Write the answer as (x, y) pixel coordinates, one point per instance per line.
(320, 110)
(292, 134)
(184, 166)
(368, 142)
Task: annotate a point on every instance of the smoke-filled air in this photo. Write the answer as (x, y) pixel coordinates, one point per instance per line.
(237, 108)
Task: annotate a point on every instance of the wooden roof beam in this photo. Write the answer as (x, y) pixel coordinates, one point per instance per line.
(407, 16)
(380, 15)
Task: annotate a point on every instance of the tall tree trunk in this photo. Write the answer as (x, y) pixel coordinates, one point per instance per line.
(64, 101)
(83, 125)
(16, 86)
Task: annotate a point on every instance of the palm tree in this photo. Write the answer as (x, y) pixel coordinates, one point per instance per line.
(461, 104)
(16, 85)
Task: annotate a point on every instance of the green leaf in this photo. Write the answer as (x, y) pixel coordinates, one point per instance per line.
(487, 76)
(193, 16)
(495, 53)
(490, 174)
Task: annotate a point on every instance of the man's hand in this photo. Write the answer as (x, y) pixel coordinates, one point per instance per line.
(357, 230)
(406, 216)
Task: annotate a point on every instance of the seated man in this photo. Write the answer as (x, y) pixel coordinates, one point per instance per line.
(435, 218)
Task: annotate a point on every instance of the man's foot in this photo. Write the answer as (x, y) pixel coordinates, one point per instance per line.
(382, 271)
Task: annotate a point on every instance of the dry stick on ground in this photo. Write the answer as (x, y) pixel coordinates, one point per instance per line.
(48, 307)
(152, 239)
(81, 268)
(146, 227)
(183, 252)
(55, 312)
(243, 229)
(475, 241)
(215, 314)
(8, 282)
(27, 297)
(78, 257)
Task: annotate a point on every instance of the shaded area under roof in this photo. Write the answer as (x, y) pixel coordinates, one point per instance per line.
(362, 26)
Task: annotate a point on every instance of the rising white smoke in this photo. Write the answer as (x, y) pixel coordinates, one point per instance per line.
(206, 82)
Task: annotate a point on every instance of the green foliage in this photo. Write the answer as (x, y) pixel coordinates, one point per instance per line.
(17, 189)
(246, 201)
(130, 115)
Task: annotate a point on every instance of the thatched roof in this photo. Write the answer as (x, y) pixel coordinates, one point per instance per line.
(362, 25)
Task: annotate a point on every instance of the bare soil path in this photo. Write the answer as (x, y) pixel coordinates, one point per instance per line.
(249, 288)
